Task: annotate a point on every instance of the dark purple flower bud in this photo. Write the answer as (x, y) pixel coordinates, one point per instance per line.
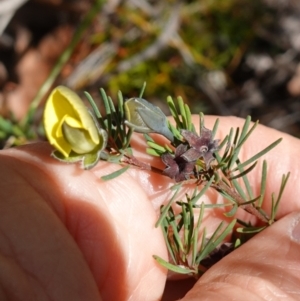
(177, 167)
(201, 146)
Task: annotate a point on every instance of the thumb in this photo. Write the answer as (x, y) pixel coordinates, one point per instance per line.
(265, 268)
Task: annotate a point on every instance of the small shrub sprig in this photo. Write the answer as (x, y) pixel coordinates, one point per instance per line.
(196, 158)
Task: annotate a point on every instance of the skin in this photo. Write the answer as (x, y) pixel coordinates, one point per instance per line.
(67, 235)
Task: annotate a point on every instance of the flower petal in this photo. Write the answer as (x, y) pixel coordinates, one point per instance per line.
(190, 137)
(79, 139)
(191, 155)
(64, 105)
(180, 149)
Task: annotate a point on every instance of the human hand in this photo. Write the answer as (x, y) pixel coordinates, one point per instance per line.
(67, 235)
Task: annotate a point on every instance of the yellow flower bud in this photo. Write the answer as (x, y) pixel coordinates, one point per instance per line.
(68, 124)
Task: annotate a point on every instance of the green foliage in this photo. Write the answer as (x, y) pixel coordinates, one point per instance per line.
(199, 160)
(182, 230)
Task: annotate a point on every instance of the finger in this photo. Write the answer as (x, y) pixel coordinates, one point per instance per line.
(111, 222)
(155, 187)
(39, 260)
(265, 268)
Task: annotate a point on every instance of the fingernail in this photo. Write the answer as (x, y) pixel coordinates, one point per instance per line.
(296, 230)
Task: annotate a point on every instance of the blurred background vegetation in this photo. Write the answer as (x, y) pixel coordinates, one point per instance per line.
(224, 57)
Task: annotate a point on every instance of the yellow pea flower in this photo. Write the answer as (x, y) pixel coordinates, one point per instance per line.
(68, 124)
